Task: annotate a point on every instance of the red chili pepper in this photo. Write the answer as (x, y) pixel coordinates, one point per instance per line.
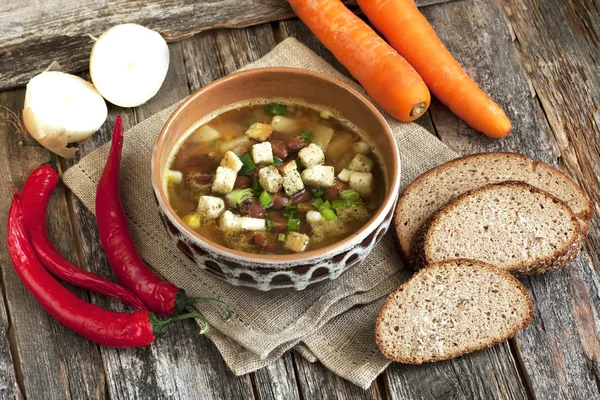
(107, 328)
(34, 198)
(160, 296)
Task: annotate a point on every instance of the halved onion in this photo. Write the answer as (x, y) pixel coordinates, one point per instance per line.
(62, 108)
(128, 64)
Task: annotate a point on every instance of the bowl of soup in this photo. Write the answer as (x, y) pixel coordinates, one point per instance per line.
(276, 178)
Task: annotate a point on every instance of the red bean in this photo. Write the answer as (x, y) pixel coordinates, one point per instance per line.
(306, 207)
(301, 197)
(333, 192)
(279, 201)
(203, 179)
(279, 149)
(242, 182)
(260, 239)
(296, 144)
(279, 222)
(252, 208)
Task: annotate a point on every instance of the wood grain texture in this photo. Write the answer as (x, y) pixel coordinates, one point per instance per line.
(9, 387)
(482, 366)
(55, 362)
(277, 381)
(181, 364)
(36, 33)
(558, 351)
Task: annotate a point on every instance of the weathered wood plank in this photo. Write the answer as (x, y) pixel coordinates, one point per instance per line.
(481, 366)
(277, 381)
(317, 382)
(181, 363)
(497, 379)
(55, 362)
(36, 33)
(9, 387)
(558, 353)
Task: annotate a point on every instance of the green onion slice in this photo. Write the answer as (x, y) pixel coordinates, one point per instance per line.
(290, 211)
(316, 192)
(317, 202)
(269, 223)
(306, 135)
(324, 206)
(349, 194)
(329, 214)
(281, 237)
(256, 188)
(248, 167)
(265, 199)
(293, 224)
(277, 161)
(275, 109)
(238, 196)
(213, 143)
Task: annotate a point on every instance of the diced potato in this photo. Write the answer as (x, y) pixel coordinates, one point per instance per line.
(296, 242)
(288, 167)
(210, 207)
(340, 144)
(322, 136)
(205, 133)
(314, 217)
(270, 179)
(361, 147)
(311, 155)
(230, 222)
(224, 180)
(292, 183)
(258, 131)
(288, 126)
(242, 141)
(173, 177)
(324, 114)
(232, 161)
(192, 220)
(344, 175)
(319, 176)
(253, 224)
(361, 163)
(262, 153)
(362, 182)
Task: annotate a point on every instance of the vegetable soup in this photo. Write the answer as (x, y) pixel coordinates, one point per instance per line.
(275, 179)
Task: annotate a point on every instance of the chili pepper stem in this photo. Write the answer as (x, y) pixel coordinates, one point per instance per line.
(182, 301)
(24, 143)
(158, 325)
(53, 161)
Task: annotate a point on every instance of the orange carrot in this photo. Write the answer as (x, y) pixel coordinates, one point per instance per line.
(407, 30)
(386, 76)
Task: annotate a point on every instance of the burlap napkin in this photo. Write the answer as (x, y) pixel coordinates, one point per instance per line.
(331, 322)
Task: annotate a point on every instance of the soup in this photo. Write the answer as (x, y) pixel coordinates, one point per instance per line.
(275, 179)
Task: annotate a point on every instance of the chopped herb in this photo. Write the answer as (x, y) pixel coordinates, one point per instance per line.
(328, 214)
(277, 161)
(213, 143)
(293, 224)
(269, 223)
(238, 196)
(281, 237)
(265, 199)
(306, 135)
(256, 188)
(275, 109)
(317, 202)
(349, 194)
(316, 192)
(290, 211)
(248, 167)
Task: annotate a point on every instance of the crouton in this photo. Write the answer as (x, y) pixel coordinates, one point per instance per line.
(296, 242)
(325, 230)
(362, 182)
(319, 176)
(210, 207)
(344, 175)
(353, 213)
(311, 155)
(224, 180)
(288, 167)
(292, 183)
(258, 131)
(270, 179)
(262, 153)
(173, 177)
(230, 222)
(361, 163)
(232, 161)
(361, 148)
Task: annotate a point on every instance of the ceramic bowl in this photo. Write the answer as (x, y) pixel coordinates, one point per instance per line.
(267, 272)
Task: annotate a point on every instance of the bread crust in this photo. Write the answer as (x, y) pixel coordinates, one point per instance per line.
(559, 258)
(406, 245)
(451, 264)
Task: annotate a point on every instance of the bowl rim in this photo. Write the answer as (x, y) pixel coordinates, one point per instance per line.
(387, 204)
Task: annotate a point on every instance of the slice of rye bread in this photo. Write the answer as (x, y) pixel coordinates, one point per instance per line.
(435, 188)
(512, 225)
(449, 309)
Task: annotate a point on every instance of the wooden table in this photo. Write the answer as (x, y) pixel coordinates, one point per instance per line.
(539, 59)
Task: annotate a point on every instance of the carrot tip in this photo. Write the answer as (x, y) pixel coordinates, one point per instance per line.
(418, 110)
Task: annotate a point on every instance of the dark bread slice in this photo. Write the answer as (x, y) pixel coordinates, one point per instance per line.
(449, 309)
(427, 194)
(511, 225)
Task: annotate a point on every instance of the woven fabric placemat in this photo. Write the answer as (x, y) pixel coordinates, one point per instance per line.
(331, 322)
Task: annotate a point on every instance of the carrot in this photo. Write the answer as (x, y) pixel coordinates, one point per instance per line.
(407, 30)
(386, 76)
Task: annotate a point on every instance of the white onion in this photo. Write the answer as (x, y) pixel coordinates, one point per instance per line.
(128, 64)
(62, 108)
